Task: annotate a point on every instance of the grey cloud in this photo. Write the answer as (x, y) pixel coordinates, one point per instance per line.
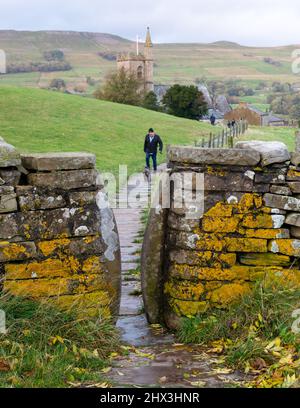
(255, 22)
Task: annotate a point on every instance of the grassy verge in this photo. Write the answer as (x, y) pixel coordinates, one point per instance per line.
(45, 347)
(254, 335)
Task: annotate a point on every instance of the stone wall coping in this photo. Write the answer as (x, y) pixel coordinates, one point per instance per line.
(58, 161)
(198, 155)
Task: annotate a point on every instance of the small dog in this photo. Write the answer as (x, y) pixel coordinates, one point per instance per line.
(147, 173)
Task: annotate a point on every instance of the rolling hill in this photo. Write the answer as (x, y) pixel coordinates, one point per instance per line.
(38, 120)
(181, 63)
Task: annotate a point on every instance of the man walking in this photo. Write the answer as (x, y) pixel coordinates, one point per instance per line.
(152, 141)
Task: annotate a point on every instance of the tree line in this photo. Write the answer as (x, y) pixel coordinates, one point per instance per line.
(179, 100)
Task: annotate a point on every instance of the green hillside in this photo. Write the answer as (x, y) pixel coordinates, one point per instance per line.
(180, 63)
(38, 121)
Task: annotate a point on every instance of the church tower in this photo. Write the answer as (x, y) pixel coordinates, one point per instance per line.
(140, 65)
(148, 52)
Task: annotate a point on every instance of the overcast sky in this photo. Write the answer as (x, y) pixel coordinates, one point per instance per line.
(249, 22)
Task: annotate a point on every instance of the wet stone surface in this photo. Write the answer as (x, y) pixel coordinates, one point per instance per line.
(153, 358)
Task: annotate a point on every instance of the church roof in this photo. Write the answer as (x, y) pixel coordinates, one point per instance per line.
(148, 42)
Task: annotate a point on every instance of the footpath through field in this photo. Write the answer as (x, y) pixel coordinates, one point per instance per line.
(154, 358)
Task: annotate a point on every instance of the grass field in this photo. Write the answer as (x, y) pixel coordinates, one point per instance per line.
(181, 63)
(38, 121)
(268, 133)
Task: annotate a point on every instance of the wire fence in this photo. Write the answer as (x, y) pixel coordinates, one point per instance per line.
(226, 137)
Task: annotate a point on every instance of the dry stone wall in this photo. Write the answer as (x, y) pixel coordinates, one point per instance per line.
(57, 239)
(250, 230)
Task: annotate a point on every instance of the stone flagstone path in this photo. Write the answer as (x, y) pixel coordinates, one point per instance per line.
(154, 358)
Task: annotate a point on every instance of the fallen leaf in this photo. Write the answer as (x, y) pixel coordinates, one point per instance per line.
(4, 365)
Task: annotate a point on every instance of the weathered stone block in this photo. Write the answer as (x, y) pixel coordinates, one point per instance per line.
(59, 223)
(246, 244)
(8, 155)
(227, 294)
(185, 154)
(265, 259)
(185, 308)
(230, 182)
(8, 203)
(217, 224)
(82, 198)
(265, 233)
(203, 258)
(16, 251)
(58, 161)
(10, 176)
(54, 268)
(52, 287)
(32, 198)
(295, 158)
(293, 175)
(181, 223)
(294, 187)
(293, 219)
(285, 246)
(217, 242)
(89, 245)
(270, 152)
(295, 231)
(270, 178)
(9, 227)
(66, 180)
(184, 290)
(282, 202)
(87, 304)
(282, 190)
(263, 220)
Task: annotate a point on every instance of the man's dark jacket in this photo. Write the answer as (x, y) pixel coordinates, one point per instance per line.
(152, 147)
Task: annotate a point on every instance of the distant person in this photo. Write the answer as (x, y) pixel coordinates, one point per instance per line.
(152, 142)
(212, 119)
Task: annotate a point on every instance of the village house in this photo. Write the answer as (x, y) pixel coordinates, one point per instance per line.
(253, 116)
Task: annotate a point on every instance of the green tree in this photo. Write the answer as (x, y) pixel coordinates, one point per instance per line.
(185, 101)
(121, 87)
(150, 101)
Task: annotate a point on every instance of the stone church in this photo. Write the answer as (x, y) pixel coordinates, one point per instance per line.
(140, 64)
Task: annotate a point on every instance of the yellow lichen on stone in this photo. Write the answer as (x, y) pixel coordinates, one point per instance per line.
(184, 290)
(88, 304)
(285, 246)
(43, 269)
(187, 308)
(245, 244)
(13, 251)
(92, 265)
(247, 202)
(220, 210)
(261, 233)
(49, 247)
(293, 174)
(52, 287)
(286, 277)
(237, 272)
(265, 259)
(227, 294)
(257, 221)
(217, 224)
